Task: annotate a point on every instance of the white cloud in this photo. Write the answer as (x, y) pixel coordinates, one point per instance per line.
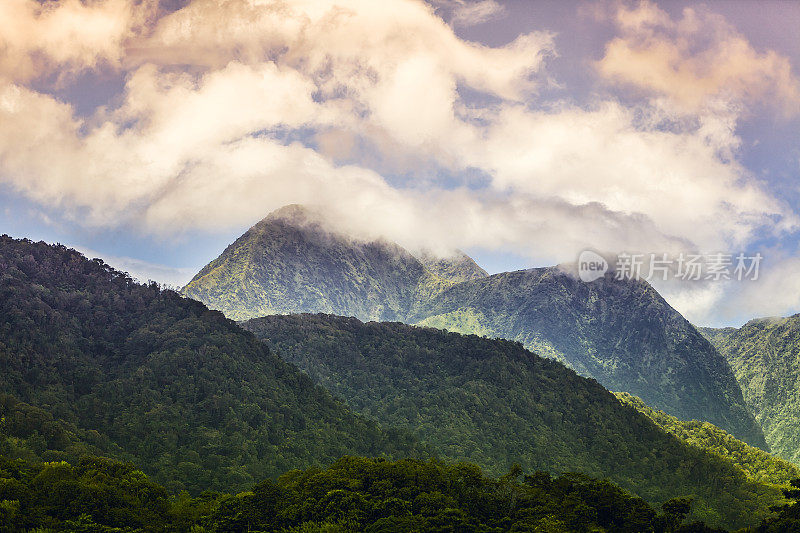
(465, 13)
(695, 59)
(144, 271)
(775, 293)
(37, 38)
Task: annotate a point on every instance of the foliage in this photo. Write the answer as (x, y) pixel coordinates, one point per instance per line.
(758, 465)
(765, 355)
(354, 494)
(494, 403)
(357, 494)
(143, 374)
(788, 519)
(95, 495)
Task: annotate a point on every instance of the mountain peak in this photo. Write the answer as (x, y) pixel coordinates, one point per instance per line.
(455, 266)
(297, 214)
(298, 259)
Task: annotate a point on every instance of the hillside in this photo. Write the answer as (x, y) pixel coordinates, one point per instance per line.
(149, 376)
(455, 267)
(494, 403)
(757, 464)
(621, 333)
(765, 355)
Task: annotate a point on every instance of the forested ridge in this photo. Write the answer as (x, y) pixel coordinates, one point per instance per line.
(143, 374)
(494, 403)
(96, 369)
(765, 356)
(757, 464)
(621, 332)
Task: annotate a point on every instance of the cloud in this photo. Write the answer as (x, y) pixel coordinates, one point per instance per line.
(38, 38)
(120, 159)
(144, 271)
(775, 293)
(683, 180)
(695, 60)
(463, 13)
(346, 46)
(232, 109)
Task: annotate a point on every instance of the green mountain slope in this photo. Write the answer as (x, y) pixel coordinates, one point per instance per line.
(765, 355)
(181, 390)
(757, 464)
(495, 403)
(621, 333)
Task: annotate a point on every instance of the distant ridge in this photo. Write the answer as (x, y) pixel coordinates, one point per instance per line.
(765, 355)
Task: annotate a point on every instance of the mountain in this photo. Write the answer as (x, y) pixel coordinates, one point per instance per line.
(765, 355)
(494, 403)
(620, 332)
(290, 263)
(142, 374)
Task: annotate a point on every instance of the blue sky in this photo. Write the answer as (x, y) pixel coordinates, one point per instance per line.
(153, 134)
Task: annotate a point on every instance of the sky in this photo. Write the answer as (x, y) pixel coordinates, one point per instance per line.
(152, 134)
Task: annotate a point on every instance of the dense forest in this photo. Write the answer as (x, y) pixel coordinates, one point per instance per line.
(494, 403)
(352, 495)
(620, 332)
(143, 374)
(765, 355)
(99, 495)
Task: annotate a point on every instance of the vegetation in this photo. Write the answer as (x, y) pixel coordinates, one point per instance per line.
(353, 495)
(765, 356)
(788, 519)
(93, 364)
(621, 333)
(142, 374)
(494, 403)
(757, 464)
